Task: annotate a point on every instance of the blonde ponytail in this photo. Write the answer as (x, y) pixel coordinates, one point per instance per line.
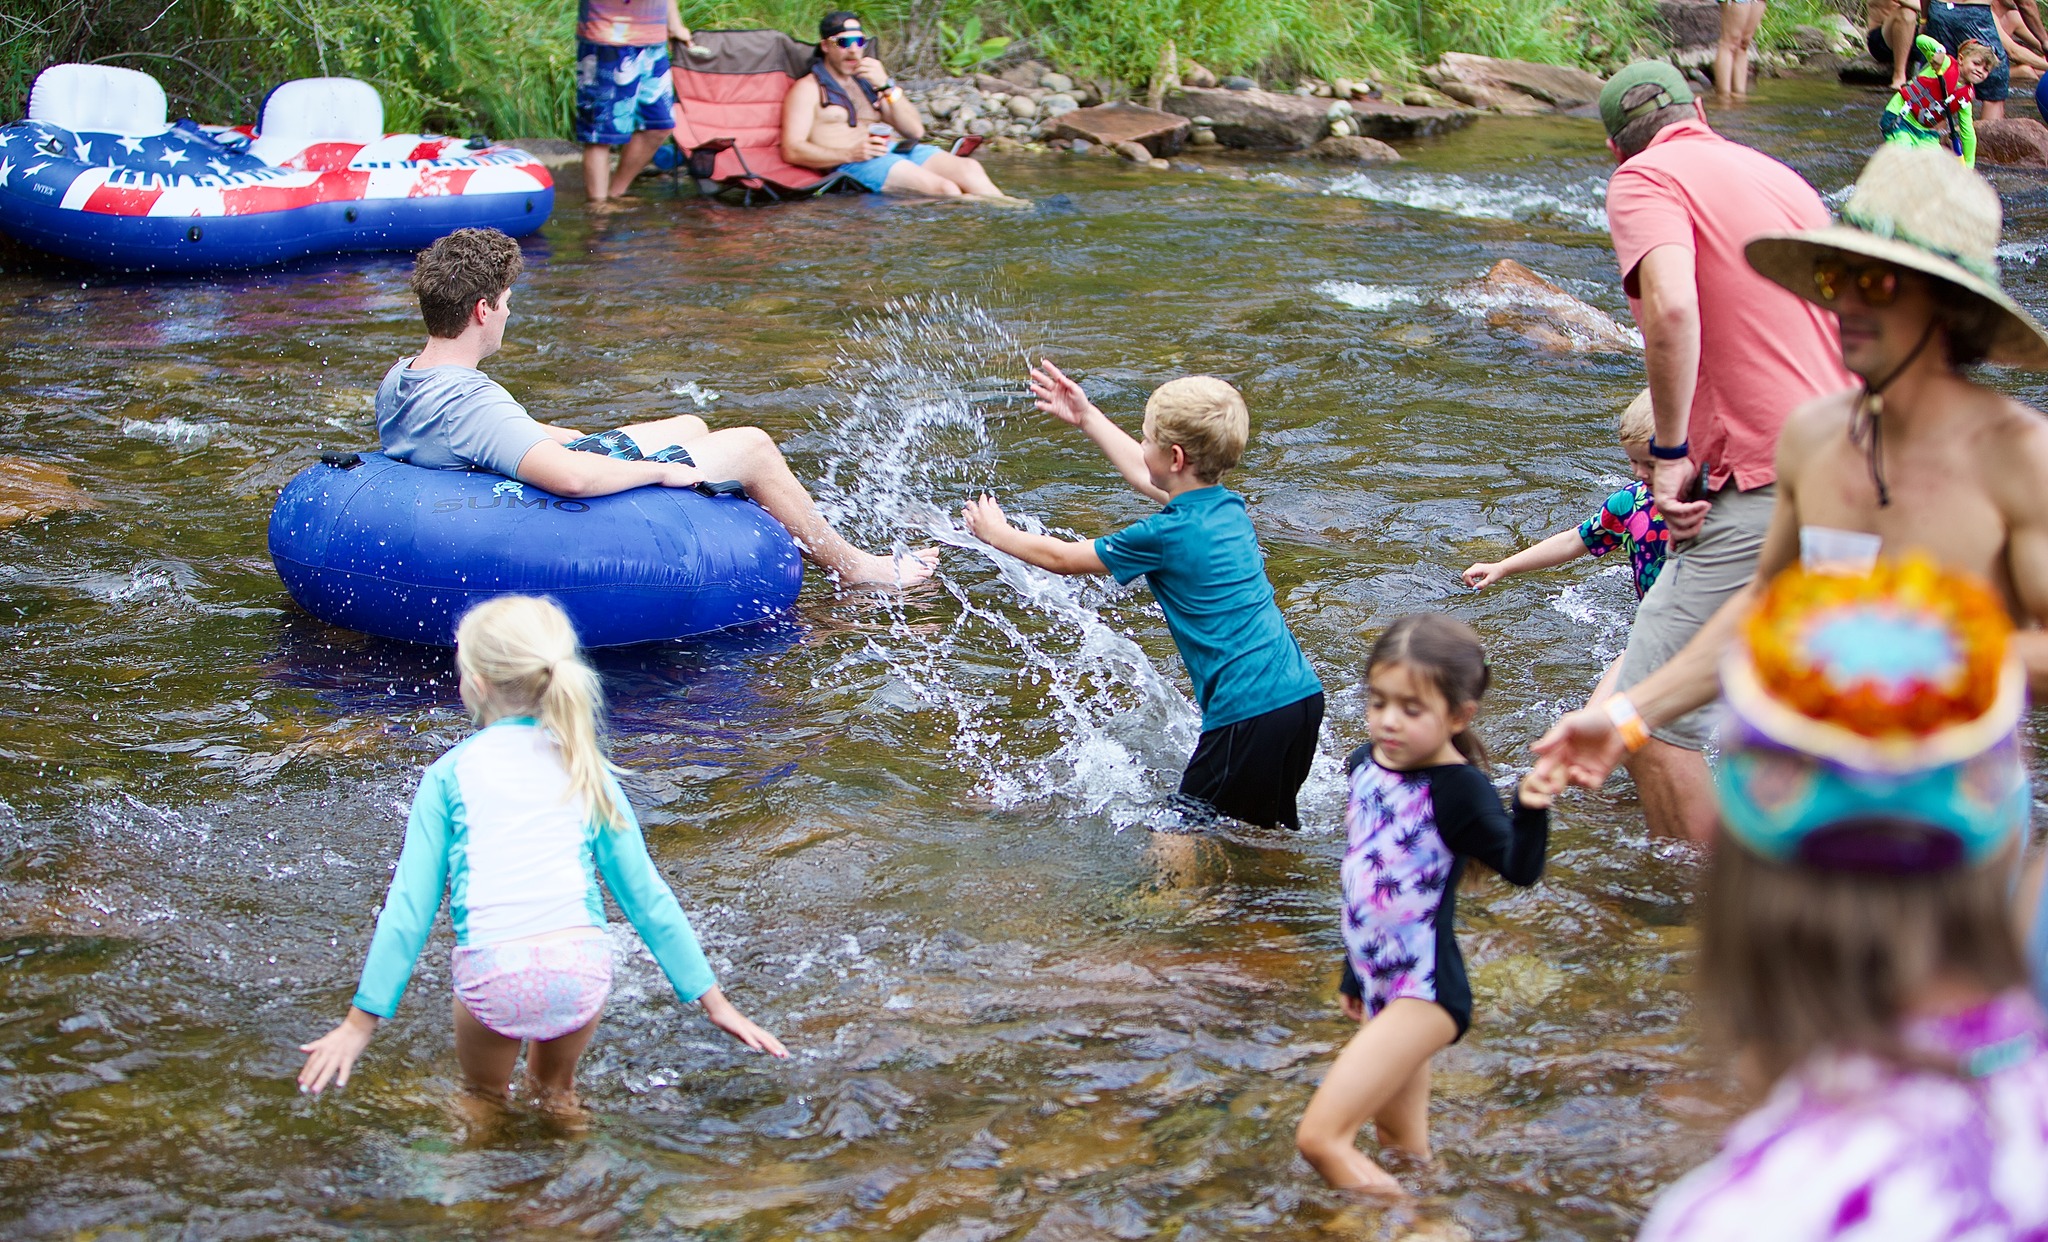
(519, 654)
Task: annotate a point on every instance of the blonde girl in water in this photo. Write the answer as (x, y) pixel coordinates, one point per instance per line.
(514, 825)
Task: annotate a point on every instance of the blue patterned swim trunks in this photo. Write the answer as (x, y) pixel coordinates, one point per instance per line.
(622, 90)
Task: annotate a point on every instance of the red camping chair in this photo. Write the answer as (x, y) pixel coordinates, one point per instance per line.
(729, 113)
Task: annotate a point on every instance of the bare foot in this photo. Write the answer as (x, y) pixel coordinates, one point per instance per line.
(902, 571)
(1377, 1185)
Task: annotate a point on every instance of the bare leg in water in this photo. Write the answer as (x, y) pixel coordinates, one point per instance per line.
(488, 1058)
(1382, 1076)
(749, 456)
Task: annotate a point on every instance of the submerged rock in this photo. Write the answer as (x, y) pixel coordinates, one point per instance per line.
(1513, 297)
(33, 490)
(2018, 141)
(1160, 133)
(1354, 150)
(1258, 119)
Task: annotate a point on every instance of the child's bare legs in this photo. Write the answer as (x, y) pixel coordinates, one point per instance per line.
(1739, 22)
(488, 1059)
(750, 455)
(1381, 1076)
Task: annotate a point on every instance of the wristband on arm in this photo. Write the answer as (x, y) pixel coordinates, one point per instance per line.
(1627, 721)
(1677, 452)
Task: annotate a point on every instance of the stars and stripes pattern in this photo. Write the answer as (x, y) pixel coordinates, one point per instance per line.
(193, 171)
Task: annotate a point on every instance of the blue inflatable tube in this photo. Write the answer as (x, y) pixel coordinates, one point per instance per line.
(399, 551)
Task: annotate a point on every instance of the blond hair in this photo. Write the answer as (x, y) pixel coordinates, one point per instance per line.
(1639, 420)
(1206, 417)
(518, 655)
(1972, 49)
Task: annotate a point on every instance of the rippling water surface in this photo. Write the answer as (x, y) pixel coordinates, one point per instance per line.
(913, 834)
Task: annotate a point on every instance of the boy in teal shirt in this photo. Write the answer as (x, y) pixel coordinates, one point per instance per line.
(1262, 705)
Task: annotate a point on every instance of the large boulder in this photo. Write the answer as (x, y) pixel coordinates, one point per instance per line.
(1161, 133)
(1258, 119)
(1512, 297)
(2016, 140)
(1693, 28)
(1387, 122)
(1354, 150)
(1514, 87)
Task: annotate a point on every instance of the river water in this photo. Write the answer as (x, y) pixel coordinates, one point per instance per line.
(913, 835)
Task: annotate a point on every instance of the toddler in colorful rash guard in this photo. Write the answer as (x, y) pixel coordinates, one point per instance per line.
(1419, 807)
(515, 825)
(1856, 933)
(1626, 519)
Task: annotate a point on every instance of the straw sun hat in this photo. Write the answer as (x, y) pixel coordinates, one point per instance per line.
(1919, 209)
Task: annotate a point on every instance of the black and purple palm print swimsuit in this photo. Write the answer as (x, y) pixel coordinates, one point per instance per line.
(1410, 834)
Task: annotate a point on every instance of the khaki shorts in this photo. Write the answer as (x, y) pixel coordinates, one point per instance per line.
(1700, 576)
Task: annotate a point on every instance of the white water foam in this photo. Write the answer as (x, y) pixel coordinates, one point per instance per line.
(1048, 699)
(2026, 253)
(1360, 296)
(1580, 203)
(173, 431)
(695, 392)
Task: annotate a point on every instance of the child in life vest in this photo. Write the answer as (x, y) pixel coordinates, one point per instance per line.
(514, 825)
(1419, 807)
(1933, 108)
(1857, 946)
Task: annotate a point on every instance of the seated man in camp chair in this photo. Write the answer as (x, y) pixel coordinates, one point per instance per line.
(848, 115)
(437, 410)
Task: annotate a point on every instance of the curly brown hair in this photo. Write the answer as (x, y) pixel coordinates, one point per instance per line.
(466, 267)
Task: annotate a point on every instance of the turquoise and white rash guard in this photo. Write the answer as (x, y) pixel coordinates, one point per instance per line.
(493, 827)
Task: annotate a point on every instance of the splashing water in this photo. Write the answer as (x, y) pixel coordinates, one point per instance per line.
(908, 437)
(174, 431)
(1360, 296)
(1581, 203)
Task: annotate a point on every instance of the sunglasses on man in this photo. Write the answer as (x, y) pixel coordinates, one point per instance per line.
(1876, 283)
(849, 41)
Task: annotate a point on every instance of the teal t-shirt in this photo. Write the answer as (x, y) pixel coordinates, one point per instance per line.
(1203, 562)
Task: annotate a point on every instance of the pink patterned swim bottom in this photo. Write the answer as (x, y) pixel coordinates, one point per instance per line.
(538, 991)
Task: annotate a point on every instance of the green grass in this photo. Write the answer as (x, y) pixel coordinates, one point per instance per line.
(505, 67)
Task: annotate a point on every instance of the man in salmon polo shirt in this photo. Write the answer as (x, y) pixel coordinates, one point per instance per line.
(1729, 355)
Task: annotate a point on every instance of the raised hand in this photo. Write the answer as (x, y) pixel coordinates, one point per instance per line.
(1059, 396)
(738, 1025)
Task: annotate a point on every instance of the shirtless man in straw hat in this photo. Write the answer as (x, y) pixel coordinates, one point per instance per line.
(1919, 457)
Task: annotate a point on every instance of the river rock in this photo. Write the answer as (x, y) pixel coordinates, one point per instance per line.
(1023, 106)
(1057, 83)
(981, 126)
(1513, 87)
(33, 490)
(1693, 28)
(1354, 151)
(2018, 141)
(1234, 83)
(1135, 152)
(1161, 133)
(1057, 105)
(1203, 137)
(1513, 297)
(1025, 76)
(1193, 74)
(1253, 118)
(1372, 118)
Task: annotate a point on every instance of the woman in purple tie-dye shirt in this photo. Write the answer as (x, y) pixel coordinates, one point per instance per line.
(1856, 936)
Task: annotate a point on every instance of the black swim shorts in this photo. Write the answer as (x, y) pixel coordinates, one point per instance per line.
(618, 444)
(1253, 769)
(1881, 52)
(1952, 24)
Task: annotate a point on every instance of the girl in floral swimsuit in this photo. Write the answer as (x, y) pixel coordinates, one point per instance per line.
(1419, 807)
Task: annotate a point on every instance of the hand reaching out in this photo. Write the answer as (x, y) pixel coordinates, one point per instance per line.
(1583, 747)
(331, 1057)
(1540, 786)
(726, 1018)
(985, 519)
(1059, 396)
(1484, 574)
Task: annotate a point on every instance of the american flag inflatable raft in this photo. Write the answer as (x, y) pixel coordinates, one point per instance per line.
(97, 174)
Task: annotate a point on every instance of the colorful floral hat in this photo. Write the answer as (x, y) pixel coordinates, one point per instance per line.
(1874, 722)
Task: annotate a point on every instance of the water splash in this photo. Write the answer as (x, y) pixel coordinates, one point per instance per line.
(1079, 712)
(694, 392)
(1581, 203)
(1360, 296)
(173, 431)
(2027, 253)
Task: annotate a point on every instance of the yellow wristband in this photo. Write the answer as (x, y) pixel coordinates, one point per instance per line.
(1627, 721)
